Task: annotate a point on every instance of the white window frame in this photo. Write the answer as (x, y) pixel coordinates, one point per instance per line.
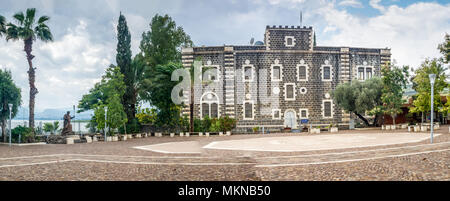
(218, 74)
(286, 41)
(243, 72)
(209, 104)
(279, 113)
(276, 63)
(323, 72)
(294, 92)
(300, 113)
(298, 71)
(365, 67)
(253, 110)
(331, 107)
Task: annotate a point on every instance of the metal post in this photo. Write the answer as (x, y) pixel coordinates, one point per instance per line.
(10, 128)
(432, 79)
(106, 113)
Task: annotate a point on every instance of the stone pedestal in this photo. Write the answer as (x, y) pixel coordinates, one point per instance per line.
(181, 134)
(172, 134)
(200, 134)
(334, 129)
(187, 134)
(88, 139)
(228, 133)
(207, 134)
(94, 139)
(69, 141)
(220, 133)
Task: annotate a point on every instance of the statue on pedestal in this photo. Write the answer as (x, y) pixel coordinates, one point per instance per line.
(67, 129)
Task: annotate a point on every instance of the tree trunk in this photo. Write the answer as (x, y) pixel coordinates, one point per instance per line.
(362, 118)
(393, 119)
(375, 120)
(31, 79)
(422, 117)
(191, 110)
(4, 130)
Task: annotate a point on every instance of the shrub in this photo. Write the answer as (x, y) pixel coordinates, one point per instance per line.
(198, 125)
(255, 129)
(227, 123)
(206, 124)
(26, 134)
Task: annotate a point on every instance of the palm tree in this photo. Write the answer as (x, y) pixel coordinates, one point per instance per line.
(2, 25)
(27, 29)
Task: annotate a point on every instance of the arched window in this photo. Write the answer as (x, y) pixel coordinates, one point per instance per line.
(210, 105)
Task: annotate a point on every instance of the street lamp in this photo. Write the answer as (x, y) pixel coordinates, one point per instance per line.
(10, 133)
(432, 79)
(106, 113)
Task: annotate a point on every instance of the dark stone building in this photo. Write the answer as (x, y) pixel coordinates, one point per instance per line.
(278, 82)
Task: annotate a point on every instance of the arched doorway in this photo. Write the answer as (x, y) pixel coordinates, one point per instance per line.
(290, 119)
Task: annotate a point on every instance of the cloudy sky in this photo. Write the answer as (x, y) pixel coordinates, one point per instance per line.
(85, 37)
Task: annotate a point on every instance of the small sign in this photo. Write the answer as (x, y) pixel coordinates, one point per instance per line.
(304, 121)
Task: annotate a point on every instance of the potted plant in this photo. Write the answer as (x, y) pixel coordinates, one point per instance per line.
(333, 129)
(255, 129)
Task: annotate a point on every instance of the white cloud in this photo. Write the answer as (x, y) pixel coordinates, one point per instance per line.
(66, 68)
(376, 4)
(412, 32)
(351, 3)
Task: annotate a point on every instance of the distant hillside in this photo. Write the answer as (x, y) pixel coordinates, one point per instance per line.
(52, 114)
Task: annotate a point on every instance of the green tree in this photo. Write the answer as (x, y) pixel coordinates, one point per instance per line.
(123, 59)
(9, 94)
(112, 83)
(162, 44)
(359, 97)
(158, 93)
(51, 127)
(444, 48)
(394, 82)
(421, 84)
(99, 113)
(28, 30)
(116, 116)
(2, 25)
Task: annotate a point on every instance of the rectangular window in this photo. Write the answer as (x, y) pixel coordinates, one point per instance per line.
(248, 110)
(289, 41)
(304, 113)
(205, 110)
(302, 72)
(368, 73)
(360, 73)
(276, 73)
(214, 110)
(215, 73)
(289, 91)
(276, 114)
(326, 73)
(248, 73)
(327, 108)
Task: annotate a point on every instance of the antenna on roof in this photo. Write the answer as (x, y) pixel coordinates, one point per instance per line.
(301, 19)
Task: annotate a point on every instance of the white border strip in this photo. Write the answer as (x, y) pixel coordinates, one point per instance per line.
(351, 160)
(350, 152)
(210, 145)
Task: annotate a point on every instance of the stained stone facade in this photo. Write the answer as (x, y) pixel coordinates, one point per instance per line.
(278, 84)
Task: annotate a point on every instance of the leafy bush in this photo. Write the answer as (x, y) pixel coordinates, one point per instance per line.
(198, 125)
(227, 123)
(206, 123)
(255, 129)
(26, 134)
(222, 124)
(146, 115)
(51, 127)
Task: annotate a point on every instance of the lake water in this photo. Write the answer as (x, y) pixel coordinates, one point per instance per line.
(78, 127)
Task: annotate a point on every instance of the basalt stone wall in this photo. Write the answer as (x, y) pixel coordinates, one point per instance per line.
(233, 91)
(275, 38)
